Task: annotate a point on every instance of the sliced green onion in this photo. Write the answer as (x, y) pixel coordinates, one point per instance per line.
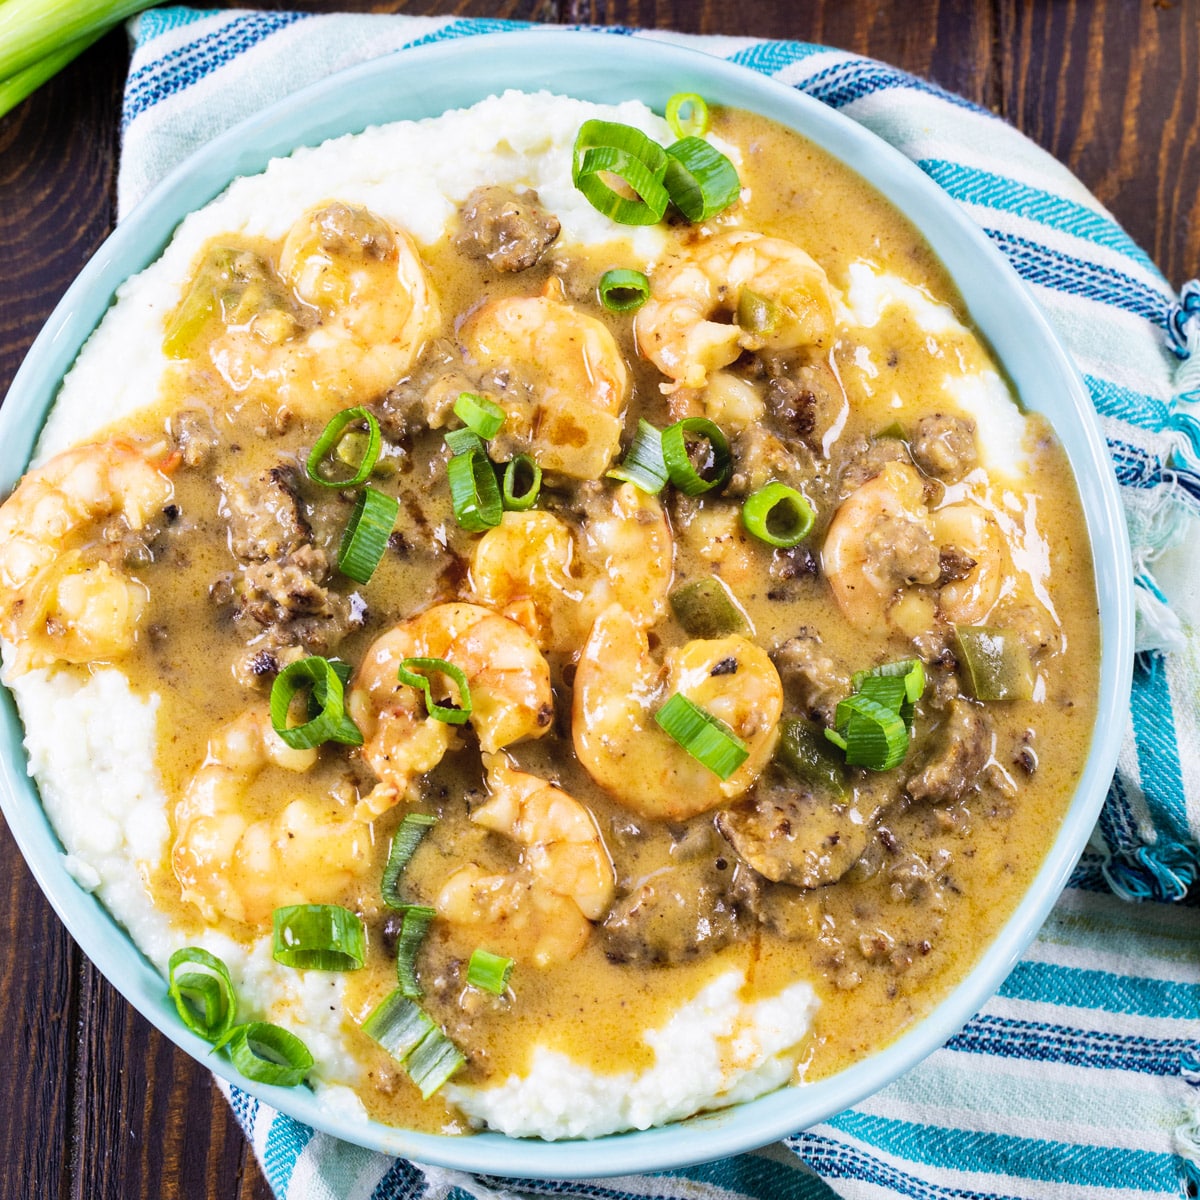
(687, 115)
(880, 684)
(413, 928)
(996, 663)
(643, 464)
(334, 437)
(411, 1037)
(439, 712)
(610, 148)
(705, 609)
(871, 735)
(778, 515)
(700, 180)
(474, 492)
(518, 501)
(489, 971)
(804, 753)
(703, 736)
(366, 536)
(398, 1025)
(755, 313)
(623, 290)
(404, 845)
(331, 723)
(318, 937)
(714, 474)
(267, 1053)
(433, 1061)
(463, 441)
(204, 996)
(479, 414)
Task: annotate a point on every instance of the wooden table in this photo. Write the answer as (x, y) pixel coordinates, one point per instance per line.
(95, 1104)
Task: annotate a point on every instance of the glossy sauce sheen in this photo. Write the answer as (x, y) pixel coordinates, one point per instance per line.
(879, 952)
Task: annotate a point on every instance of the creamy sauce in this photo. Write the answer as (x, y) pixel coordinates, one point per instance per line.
(880, 945)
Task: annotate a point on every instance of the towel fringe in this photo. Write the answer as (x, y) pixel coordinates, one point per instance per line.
(1164, 871)
(1157, 626)
(1183, 319)
(1187, 1141)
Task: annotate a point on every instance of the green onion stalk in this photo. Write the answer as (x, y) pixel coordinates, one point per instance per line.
(39, 37)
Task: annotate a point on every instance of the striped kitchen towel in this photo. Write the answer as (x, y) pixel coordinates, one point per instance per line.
(1081, 1079)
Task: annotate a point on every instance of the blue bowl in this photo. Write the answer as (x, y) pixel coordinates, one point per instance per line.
(425, 82)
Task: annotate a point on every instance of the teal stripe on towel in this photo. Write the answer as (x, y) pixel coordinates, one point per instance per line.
(1154, 733)
(1124, 404)
(772, 57)
(285, 1143)
(970, 185)
(1050, 983)
(757, 1177)
(1039, 1158)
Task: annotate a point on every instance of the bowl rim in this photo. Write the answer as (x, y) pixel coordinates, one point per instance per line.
(424, 81)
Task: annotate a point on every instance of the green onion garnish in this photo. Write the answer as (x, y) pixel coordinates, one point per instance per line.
(433, 1061)
(404, 845)
(335, 438)
(463, 441)
(366, 536)
(872, 726)
(411, 1037)
(439, 666)
(871, 734)
(519, 501)
(413, 928)
(331, 722)
(702, 735)
(489, 971)
(700, 180)
(623, 290)
(778, 515)
(398, 1025)
(705, 609)
(318, 937)
(480, 415)
(687, 115)
(755, 313)
(267, 1053)
(643, 464)
(684, 475)
(203, 996)
(474, 491)
(880, 684)
(608, 148)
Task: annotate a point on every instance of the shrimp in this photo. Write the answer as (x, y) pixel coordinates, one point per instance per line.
(564, 381)
(367, 308)
(542, 910)
(232, 866)
(619, 688)
(676, 330)
(60, 600)
(554, 581)
(893, 563)
(508, 679)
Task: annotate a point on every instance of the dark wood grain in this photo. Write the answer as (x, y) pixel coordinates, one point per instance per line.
(94, 1104)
